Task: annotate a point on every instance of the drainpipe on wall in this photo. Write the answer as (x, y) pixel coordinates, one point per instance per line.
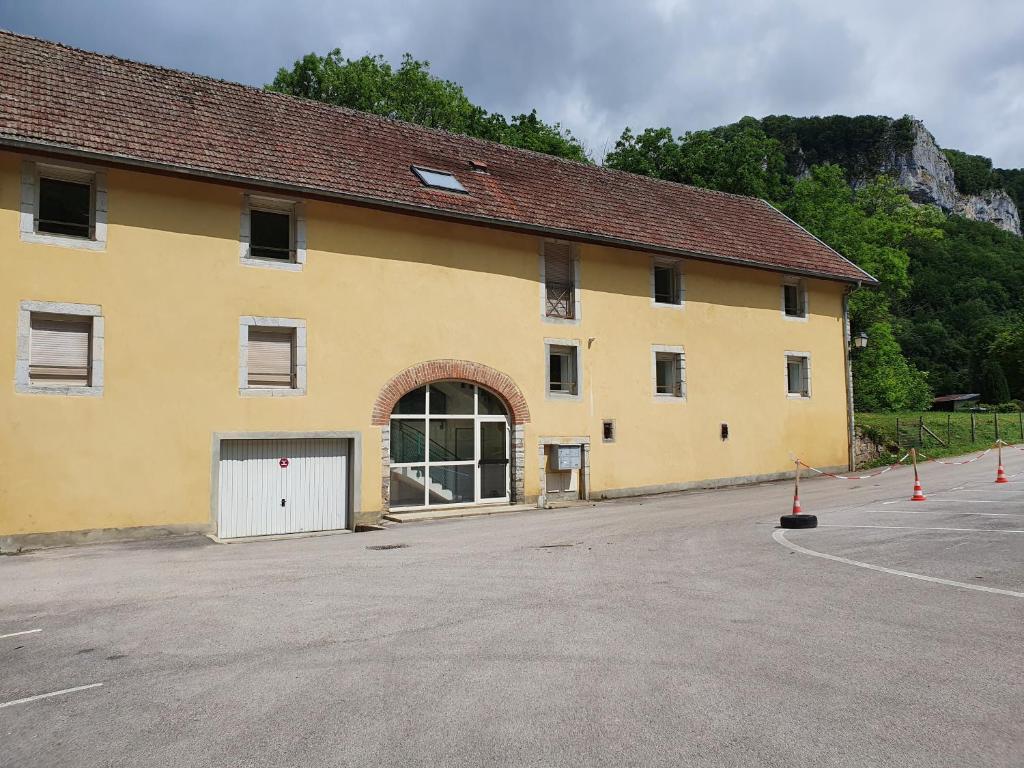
(851, 434)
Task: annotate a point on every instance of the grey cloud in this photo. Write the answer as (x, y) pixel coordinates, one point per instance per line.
(599, 66)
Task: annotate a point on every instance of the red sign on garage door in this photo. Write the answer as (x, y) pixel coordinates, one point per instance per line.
(283, 463)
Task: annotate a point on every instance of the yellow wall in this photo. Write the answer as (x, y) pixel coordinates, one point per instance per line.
(380, 292)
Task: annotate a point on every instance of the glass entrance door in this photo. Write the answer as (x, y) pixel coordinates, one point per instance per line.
(493, 461)
(449, 445)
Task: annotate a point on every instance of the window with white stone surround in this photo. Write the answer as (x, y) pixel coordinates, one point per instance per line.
(798, 375)
(273, 233)
(64, 205)
(794, 299)
(668, 372)
(271, 356)
(60, 349)
(667, 287)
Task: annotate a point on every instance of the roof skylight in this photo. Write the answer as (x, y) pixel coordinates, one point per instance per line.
(438, 179)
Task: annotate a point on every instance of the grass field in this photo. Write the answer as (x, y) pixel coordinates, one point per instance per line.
(951, 432)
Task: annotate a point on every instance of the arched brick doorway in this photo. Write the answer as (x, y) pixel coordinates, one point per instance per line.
(435, 372)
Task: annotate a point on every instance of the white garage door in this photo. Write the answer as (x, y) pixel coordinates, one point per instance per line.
(282, 486)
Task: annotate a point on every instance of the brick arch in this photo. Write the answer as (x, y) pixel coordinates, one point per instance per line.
(439, 370)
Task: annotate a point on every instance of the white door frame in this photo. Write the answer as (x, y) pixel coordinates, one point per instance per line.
(508, 461)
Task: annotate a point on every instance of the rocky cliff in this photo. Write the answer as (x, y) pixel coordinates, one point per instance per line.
(927, 175)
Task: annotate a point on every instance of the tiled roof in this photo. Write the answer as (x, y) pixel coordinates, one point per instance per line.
(62, 98)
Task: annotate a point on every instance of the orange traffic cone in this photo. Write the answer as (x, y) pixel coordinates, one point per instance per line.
(918, 492)
(1000, 472)
(797, 519)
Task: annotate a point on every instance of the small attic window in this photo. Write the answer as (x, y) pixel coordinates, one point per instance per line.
(479, 166)
(438, 179)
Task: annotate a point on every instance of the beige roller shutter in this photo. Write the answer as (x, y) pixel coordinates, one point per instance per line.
(59, 353)
(558, 279)
(558, 263)
(271, 356)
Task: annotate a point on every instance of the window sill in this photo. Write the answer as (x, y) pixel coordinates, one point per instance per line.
(668, 304)
(795, 318)
(67, 391)
(791, 396)
(269, 392)
(287, 266)
(561, 396)
(561, 320)
(670, 398)
(63, 241)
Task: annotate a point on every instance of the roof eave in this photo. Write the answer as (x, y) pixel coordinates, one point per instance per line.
(128, 161)
(868, 279)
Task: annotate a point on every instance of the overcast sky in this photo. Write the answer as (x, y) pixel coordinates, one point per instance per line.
(601, 65)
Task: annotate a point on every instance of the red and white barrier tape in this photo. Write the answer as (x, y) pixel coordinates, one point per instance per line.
(956, 463)
(856, 477)
(900, 461)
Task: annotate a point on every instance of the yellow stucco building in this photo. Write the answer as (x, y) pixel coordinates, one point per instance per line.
(235, 312)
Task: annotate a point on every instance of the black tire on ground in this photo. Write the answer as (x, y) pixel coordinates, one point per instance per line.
(798, 521)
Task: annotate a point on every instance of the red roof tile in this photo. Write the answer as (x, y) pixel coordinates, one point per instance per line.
(62, 98)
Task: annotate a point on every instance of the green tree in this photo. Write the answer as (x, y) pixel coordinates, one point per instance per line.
(871, 225)
(883, 379)
(994, 388)
(413, 94)
(861, 145)
(1012, 180)
(972, 283)
(736, 158)
(972, 173)
(655, 152)
(1008, 351)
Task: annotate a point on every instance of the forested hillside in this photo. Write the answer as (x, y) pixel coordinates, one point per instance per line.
(949, 316)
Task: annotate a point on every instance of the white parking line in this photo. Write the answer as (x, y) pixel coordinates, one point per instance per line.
(934, 500)
(965, 501)
(913, 528)
(945, 512)
(15, 634)
(780, 537)
(48, 695)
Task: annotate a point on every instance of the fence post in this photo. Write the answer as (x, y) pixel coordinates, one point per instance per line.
(897, 434)
(995, 420)
(949, 433)
(1020, 417)
(974, 430)
(920, 431)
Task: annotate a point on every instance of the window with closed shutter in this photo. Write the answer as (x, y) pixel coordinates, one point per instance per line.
(60, 350)
(558, 279)
(271, 360)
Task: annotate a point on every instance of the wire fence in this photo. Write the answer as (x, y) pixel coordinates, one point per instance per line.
(948, 430)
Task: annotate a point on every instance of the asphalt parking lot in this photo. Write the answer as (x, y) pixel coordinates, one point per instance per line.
(663, 631)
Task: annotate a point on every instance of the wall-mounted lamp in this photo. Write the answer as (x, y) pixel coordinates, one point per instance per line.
(860, 340)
